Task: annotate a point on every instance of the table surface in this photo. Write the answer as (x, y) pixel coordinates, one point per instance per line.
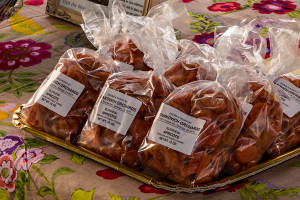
(51, 172)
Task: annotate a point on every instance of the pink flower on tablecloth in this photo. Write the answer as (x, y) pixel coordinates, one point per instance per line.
(187, 1)
(34, 2)
(9, 143)
(26, 157)
(274, 6)
(22, 53)
(109, 174)
(205, 38)
(8, 173)
(150, 189)
(224, 7)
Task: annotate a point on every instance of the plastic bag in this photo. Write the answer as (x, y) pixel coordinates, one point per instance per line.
(289, 135)
(193, 133)
(262, 113)
(123, 114)
(189, 66)
(136, 40)
(242, 44)
(64, 100)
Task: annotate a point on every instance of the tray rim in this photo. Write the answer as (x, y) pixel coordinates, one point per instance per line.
(17, 122)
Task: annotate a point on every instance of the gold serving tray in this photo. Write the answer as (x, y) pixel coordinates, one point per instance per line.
(148, 179)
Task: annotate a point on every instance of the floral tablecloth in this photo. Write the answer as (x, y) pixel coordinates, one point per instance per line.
(30, 46)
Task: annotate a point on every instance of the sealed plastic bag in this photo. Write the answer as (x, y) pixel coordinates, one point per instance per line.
(289, 135)
(189, 66)
(123, 114)
(65, 99)
(135, 40)
(193, 133)
(262, 113)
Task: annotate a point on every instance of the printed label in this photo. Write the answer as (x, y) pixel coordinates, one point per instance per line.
(289, 95)
(175, 129)
(60, 93)
(246, 109)
(115, 110)
(132, 7)
(123, 66)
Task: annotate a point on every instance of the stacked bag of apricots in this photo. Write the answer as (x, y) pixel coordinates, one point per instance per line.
(177, 109)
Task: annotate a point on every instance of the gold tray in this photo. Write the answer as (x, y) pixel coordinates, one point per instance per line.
(148, 179)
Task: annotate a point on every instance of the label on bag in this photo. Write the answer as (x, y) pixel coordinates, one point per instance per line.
(115, 110)
(289, 95)
(246, 109)
(175, 129)
(60, 93)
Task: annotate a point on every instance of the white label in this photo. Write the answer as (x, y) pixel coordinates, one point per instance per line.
(132, 7)
(60, 93)
(123, 66)
(246, 109)
(115, 110)
(289, 95)
(175, 129)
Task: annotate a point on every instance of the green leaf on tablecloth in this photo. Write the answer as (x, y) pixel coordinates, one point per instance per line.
(3, 35)
(3, 75)
(33, 143)
(28, 87)
(48, 159)
(61, 171)
(4, 194)
(294, 14)
(17, 93)
(119, 197)
(44, 190)
(6, 88)
(24, 74)
(2, 133)
(80, 194)
(21, 183)
(63, 27)
(76, 158)
(202, 23)
(296, 164)
(2, 82)
(24, 80)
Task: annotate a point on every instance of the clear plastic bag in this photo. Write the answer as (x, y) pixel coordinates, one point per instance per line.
(136, 40)
(241, 44)
(50, 109)
(193, 134)
(262, 113)
(289, 135)
(123, 114)
(189, 66)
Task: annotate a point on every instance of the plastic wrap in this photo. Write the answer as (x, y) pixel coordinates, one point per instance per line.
(136, 40)
(262, 113)
(189, 66)
(115, 129)
(79, 76)
(289, 135)
(193, 134)
(242, 44)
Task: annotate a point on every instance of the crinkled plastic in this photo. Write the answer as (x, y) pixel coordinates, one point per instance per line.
(190, 65)
(150, 88)
(261, 109)
(289, 135)
(284, 46)
(242, 44)
(208, 101)
(139, 41)
(85, 67)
